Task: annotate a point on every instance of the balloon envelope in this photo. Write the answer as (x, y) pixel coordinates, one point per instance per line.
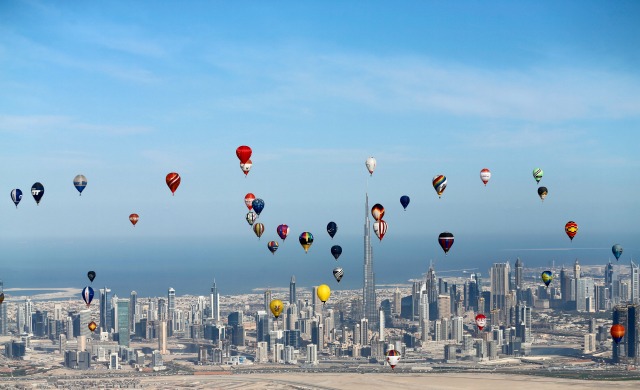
(338, 273)
(336, 251)
(258, 229)
(371, 165)
(380, 229)
(80, 182)
(537, 174)
(571, 228)
(617, 250)
(173, 181)
(134, 219)
(92, 326)
(306, 239)
(91, 275)
(481, 321)
(446, 241)
(283, 231)
(251, 217)
(273, 246)
(485, 175)
(324, 292)
(248, 200)
(392, 357)
(332, 228)
(439, 184)
(1, 297)
(542, 192)
(547, 277)
(87, 295)
(244, 153)
(617, 332)
(16, 196)
(404, 201)
(377, 211)
(276, 307)
(246, 167)
(37, 190)
(258, 205)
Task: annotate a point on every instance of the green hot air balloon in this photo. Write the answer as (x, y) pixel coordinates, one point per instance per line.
(537, 174)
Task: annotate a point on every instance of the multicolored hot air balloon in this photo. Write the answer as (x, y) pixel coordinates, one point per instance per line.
(133, 218)
(16, 196)
(251, 217)
(617, 332)
(404, 201)
(246, 167)
(324, 292)
(377, 211)
(248, 199)
(481, 321)
(392, 357)
(91, 275)
(244, 153)
(380, 228)
(446, 241)
(37, 191)
(617, 251)
(336, 251)
(439, 184)
(258, 229)
(306, 239)
(571, 228)
(80, 182)
(485, 175)
(547, 277)
(92, 326)
(537, 174)
(283, 231)
(258, 205)
(173, 182)
(338, 273)
(87, 295)
(276, 307)
(371, 165)
(273, 246)
(542, 192)
(332, 229)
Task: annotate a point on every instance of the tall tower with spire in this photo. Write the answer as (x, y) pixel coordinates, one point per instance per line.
(214, 302)
(369, 303)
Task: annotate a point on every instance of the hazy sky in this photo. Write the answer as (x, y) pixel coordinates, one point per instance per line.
(126, 92)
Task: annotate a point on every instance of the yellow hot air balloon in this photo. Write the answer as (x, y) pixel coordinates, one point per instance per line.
(324, 292)
(276, 307)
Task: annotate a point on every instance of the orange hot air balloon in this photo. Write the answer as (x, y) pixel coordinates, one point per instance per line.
(377, 211)
(571, 228)
(92, 326)
(173, 181)
(244, 153)
(134, 219)
(248, 199)
(617, 332)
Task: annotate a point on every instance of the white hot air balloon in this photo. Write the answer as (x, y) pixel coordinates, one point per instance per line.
(371, 165)
(392, 357)
(485, 175)
(380, 228)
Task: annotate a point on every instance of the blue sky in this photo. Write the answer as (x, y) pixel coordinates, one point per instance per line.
(125, 93)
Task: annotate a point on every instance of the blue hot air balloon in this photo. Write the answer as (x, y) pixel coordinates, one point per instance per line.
(257, 205)
(16, 196)
(87, 295)
(80, 182)
(404, 201)
(37, 190)
(617, 251)
(336, 251)
(332, 228)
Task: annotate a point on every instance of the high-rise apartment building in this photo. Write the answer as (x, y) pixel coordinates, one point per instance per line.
(292, 291)
(499, 274)
(214, 303)
(124, 324)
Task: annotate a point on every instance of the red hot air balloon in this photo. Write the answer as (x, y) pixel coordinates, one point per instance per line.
(134, 219)
(617, 332)
(571, 228)
(244, 153)
(246, 167)
(173, 181)
(485, 175)
(481, 321)
(446, 241)
(248, 198)
(380, 229)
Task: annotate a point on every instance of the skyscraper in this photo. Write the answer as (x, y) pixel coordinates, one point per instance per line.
(608, 280)
(499, 289)
(267, 301)
(4, 326)
(123, 321)
(292, 290)
(214, 303)
(635, 283)
(518, 274)
(171, 303)
(105, 310)
(133, 303)
(432, 293)
(369, 287)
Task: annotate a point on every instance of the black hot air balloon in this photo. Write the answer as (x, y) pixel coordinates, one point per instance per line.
(332, 228)
(446, 241)
(91, 275)
(336, 251)
(37, 190)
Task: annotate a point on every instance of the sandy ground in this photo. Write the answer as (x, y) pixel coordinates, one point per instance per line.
(379, 381)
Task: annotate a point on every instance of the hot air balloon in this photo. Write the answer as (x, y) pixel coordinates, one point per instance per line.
(276, 307)
(258, 205)
(91, 275)
(332, 228)
(246, 167)
(481, 321)
(80, 182)
(87, 295)
(324, 292)
(283, 231)
(251, 217)
(338, 273)
(37, 190)
(273, 246)
(446, 241)
(537, 174)
(380, 229)
(571, 228)
(173, 181)
(1, 298)
(16, 196)
(134, 219)
(371, 165)
(617, 332)
(547, 277)
(92, 326)
(542, 192)
(248, 199)
(485, 175)
(404, 201)
(336, 251)
(392, 357)
(258, 229)
(377, 211)
(617, 251)
(244, 153)
(439, 184)
(306, 239)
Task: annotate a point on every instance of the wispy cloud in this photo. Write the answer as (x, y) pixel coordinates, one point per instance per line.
(45, 123)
